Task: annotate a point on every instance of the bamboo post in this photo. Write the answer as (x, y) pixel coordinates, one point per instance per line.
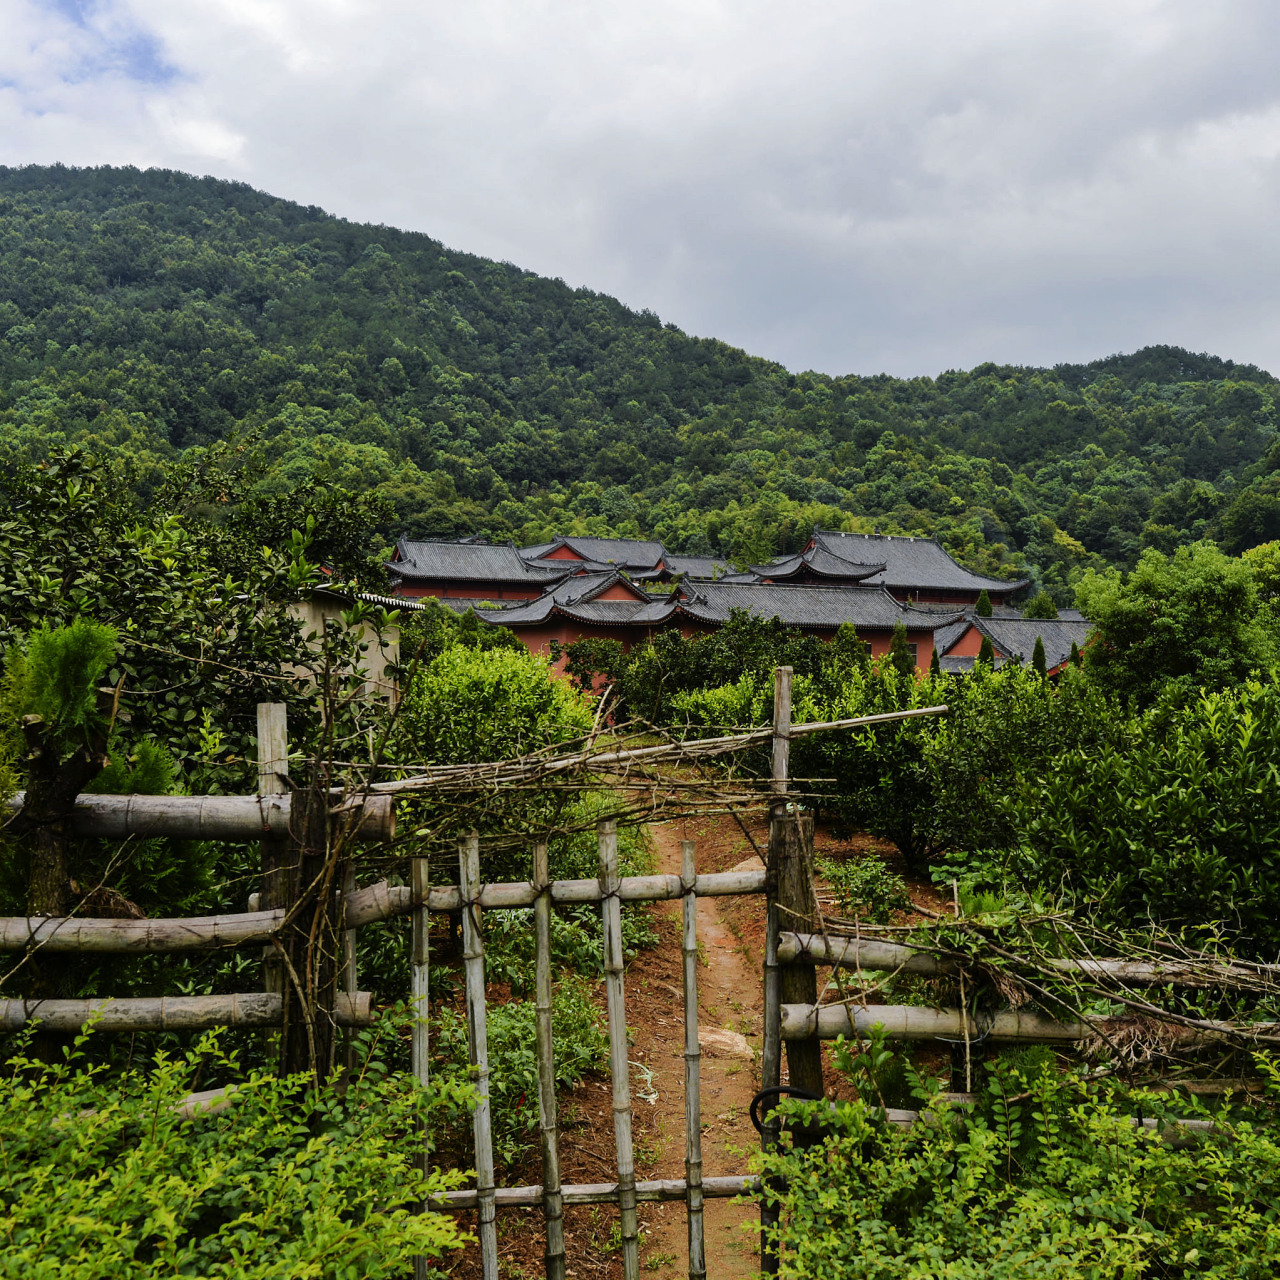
(771, 1057)
(692, 1068)
(477, 1036)
(552, 1200)
(273, 773)
(419, 977)
(611, 916)
(419, 990)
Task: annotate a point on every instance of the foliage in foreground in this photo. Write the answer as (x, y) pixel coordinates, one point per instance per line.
(1178, 824)
(1045, 1178)
(104, 1176)
(580, 1046)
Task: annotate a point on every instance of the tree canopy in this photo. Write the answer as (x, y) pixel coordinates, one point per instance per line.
(153, 316)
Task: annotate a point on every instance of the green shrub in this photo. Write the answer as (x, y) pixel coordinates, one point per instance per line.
(106, 1177)
(580, 1047)
(473, 705)
(1189, 619)
(1046, 1178)
(866, 887)
(1179, 823)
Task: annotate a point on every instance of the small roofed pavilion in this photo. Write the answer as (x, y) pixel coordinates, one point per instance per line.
(918, 570)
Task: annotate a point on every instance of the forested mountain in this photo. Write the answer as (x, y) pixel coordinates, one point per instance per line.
(147, 314)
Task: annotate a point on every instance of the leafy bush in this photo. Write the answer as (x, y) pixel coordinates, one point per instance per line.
(1045, 1178)
(866, 887)
(1178, 823)
(104, 1177)
(649, 680)
(929, 784)
(1193, 618)
(472, 705)
(580, 1047)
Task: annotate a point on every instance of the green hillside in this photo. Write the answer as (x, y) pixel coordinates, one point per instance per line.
(147, 314)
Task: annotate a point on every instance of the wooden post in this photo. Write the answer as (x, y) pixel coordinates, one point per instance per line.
(611, 916)
(478, 1040)
(798, 904)
(692, 1068)
(311, 944)
(552, 1201)
(273, 773)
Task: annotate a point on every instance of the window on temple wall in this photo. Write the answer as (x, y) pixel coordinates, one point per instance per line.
(914, 651)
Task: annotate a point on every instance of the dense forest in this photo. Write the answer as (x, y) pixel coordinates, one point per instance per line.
(150, 314)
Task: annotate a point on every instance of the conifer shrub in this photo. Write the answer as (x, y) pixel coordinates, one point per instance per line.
(1037, 658)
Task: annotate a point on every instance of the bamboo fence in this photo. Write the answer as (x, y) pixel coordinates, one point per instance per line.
(792, 954)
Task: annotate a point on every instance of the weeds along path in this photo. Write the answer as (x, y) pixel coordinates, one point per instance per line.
(731, 939)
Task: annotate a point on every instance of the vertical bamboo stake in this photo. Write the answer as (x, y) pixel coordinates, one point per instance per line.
(419, 989)
(771, 1056)
(692, 1069)
(477, 1036)
(273, 771)
(611, 916)
(781, 728)
(552, 1201)
(420, 972)
(350, 976)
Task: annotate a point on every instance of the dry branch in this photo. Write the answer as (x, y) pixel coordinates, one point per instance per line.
(875, 953)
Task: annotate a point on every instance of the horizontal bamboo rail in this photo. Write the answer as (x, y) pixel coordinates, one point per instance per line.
(173, 1013)
(381, 901)
(907, 1022)
(874, 953)
(212, 817)
(597, 1193)
(88, 933)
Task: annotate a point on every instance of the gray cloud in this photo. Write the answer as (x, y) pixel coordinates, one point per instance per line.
(850, 186)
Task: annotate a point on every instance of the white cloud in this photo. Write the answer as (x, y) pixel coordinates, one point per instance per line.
(836, 183)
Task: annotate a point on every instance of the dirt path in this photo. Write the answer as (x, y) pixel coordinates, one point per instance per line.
(730, 1020)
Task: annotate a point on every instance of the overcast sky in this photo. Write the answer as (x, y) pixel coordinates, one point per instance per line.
(901, 186)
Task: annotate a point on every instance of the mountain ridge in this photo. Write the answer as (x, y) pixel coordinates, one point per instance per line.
(146, 313)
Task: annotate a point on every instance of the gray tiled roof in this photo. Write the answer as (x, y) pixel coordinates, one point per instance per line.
(824, 562)
(909, 562)
(625, 553)
(576, 598)
(1017, 637)
(468, 562)
(799, 606)
(946, 635)
(957, 666)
